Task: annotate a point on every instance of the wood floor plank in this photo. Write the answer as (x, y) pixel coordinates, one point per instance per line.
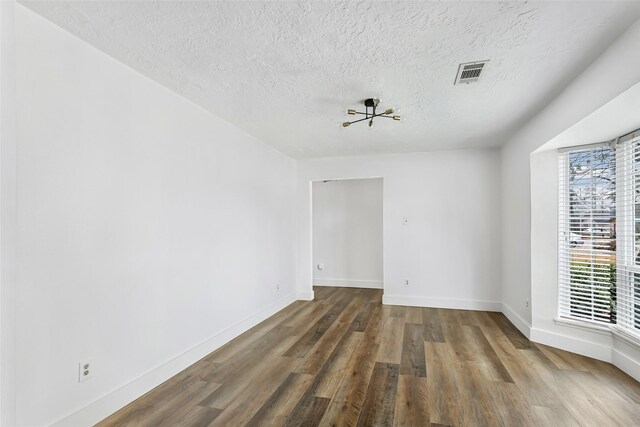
(412, 359)
(348, 399)
(412, 402)
(327, 380)
(444, 404)
(241, 365)
(313, 334)
(249, 338)
(397, 311)
(518, 340)
(372, 295)
(199, 416)
(521, 365)
(318, 354)
(336, 367)
(566, 360)
(456, 337)
(136, 412)
(618, 381)
(310, 415)
(570, 395)
(253, 374)
(557, 416)
(361, 321)
(432, 329)
(512, 406)
(282, 401)
(492, 359)
(179, 407)
(477, 408)
(413, 315)
(380, 401)
(392, 340)
(240, 406)
(620, 409)
(344, 359)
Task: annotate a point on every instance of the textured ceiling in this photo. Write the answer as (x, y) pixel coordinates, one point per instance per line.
(287, 71)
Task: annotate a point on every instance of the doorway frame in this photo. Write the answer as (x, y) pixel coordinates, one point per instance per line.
(304, 279)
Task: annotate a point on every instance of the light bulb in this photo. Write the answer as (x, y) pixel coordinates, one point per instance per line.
(396, 117)
(345, 124)
(352, 112)
(388, 111)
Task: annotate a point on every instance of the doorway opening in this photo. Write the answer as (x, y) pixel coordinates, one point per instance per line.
(347, 233)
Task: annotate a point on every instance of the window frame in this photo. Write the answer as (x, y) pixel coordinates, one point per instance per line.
(627, 190)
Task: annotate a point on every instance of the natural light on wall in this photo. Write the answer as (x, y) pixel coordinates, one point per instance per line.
(599, 233)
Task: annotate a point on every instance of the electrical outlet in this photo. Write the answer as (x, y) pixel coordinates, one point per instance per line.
(405, 220)
(277, 286)
(406, 283)
(84, 371)
(526, 303)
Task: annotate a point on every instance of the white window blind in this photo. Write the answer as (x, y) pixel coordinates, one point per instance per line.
(587, 234)
(628, 232)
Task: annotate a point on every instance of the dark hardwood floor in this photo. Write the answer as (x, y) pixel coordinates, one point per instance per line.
(347, 360)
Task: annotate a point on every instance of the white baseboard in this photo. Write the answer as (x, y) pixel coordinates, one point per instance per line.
(111, 402)
(305, 295)
(348, 283)
(574, 345)
(625, 363)
(517, 321)
(459, 304)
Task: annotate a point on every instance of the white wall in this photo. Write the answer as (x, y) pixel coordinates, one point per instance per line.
(450, 248)
(147, 227)
(347, 232)
(530, 204)
(7, 214)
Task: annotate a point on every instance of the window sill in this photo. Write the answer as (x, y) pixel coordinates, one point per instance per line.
(612, 330)
(584, 325)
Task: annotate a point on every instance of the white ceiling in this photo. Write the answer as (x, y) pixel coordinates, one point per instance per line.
(287, 71)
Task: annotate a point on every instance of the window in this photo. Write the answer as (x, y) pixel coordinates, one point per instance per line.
(587, 264)
(628, 190)
(599, 233)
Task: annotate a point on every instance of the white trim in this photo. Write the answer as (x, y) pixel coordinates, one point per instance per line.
(625, 363)
(574, 345)
(305, 295)
(459, 304)
(616, 331)
(584, 147)
(111, 402)
(349, 283)
(517, 321)
(624, 335)
(583, 325)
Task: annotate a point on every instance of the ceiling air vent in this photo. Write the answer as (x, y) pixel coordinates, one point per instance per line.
(470, 72)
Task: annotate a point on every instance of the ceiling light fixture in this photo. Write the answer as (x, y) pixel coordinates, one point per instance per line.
(373, 104)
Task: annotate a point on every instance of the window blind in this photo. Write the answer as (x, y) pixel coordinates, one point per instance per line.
(587, 234)
(628, 232)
